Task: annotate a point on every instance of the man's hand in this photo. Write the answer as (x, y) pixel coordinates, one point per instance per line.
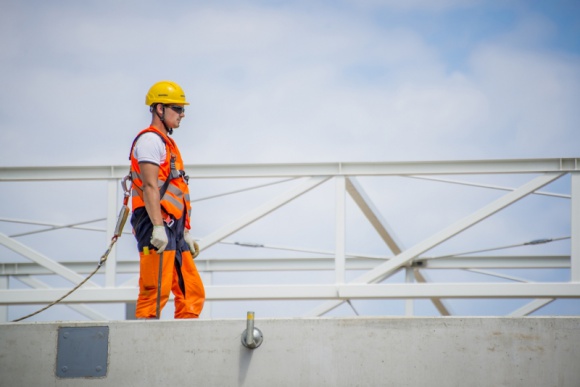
(193, 246)
(159, 238)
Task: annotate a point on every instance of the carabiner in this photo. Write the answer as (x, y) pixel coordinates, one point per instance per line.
(126, 190)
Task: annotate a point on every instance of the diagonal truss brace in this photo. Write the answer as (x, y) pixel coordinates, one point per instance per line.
(42, 260)
(261, 211)
(373, 215)
(386, 269)
(368, 208)
(439, 304)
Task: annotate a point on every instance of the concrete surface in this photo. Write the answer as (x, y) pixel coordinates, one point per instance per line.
(442, 351)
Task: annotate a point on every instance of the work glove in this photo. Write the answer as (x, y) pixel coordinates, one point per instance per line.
(193, 246)
(159, 238)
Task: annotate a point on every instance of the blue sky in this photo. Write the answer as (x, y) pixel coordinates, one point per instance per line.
(297, 81)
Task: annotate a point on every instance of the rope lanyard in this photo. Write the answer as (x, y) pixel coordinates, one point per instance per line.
(101, 262)
(117, 234)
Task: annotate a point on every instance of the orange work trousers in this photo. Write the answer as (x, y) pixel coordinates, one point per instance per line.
(182, 279)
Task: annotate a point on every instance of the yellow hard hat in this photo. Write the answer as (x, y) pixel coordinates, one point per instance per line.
(165, 92)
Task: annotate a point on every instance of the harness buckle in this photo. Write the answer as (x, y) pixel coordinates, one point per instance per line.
(169, 221)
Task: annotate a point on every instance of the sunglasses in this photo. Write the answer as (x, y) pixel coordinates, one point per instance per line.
(177, 109)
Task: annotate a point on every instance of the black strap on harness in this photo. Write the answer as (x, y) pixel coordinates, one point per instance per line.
(173, 173)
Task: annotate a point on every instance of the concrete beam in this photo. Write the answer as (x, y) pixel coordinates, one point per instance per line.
(340, 352)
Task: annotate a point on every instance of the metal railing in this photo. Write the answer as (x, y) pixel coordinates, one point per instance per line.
(370, 275)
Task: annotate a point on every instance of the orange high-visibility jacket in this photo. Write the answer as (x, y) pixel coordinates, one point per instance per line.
(175, 200)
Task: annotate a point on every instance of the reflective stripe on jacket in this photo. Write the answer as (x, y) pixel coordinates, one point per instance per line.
(172, 180)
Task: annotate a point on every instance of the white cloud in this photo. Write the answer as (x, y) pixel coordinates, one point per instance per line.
(534, 98)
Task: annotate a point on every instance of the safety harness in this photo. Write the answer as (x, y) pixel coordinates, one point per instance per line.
(174, 173)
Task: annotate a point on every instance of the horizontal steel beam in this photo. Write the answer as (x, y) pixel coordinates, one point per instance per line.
(306, 169)
(462, 290)
(498, 262)
(63, 173)
(82, 309)
(310, 292)
(314, 263)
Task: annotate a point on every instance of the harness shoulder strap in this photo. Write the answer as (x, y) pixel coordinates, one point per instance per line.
(139, 135)
(165, 185)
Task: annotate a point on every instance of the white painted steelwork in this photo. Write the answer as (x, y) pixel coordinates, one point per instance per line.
(308, 177)
(313, 292)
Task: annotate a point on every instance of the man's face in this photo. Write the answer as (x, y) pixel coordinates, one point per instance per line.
(173, 115)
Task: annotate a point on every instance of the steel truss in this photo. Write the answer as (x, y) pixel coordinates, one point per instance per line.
(308, 177)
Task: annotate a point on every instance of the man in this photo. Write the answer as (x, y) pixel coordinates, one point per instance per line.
(161, 211)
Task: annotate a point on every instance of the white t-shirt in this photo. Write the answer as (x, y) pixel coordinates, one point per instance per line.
(150, 148)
